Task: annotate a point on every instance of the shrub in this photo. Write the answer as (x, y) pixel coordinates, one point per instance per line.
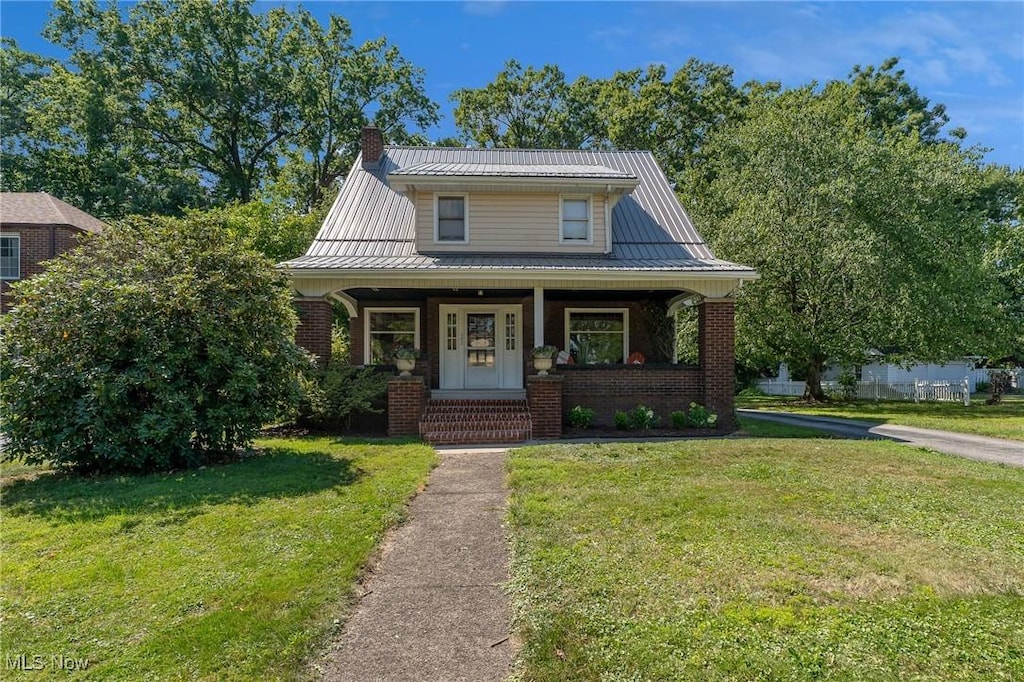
(158, 344)
(751, 392)
(679, 419)
(700, 417)
(622, 421)
(331, 397)
(847, 385)
(982, 387)
(581, 417)
(641, 417)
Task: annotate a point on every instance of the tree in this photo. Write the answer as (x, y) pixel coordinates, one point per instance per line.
(230, 99)
(670, 116)
(65, 133)
(862, 240)
(528, 108)
(158, 344)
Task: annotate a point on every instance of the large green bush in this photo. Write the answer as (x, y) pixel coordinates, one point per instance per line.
(159, 344)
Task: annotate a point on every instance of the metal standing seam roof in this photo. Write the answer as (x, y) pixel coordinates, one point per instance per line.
(372, 226)
(495, 170)
(40, 208)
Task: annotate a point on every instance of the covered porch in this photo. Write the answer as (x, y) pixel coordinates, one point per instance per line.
(475, 342)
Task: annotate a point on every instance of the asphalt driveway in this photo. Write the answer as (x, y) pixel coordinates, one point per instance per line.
(960, 444)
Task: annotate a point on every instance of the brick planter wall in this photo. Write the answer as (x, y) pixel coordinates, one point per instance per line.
(716, 338)
(607, 390)
(407, 398)
(544, 396)
(314, 332)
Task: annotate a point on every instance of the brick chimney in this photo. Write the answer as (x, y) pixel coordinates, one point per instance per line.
(372, 144)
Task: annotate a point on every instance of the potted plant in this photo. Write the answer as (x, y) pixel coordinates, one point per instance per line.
(405, 360)
(544, 358)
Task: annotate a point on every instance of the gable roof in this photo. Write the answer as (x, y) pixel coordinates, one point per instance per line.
(41, 209)
(371, 225)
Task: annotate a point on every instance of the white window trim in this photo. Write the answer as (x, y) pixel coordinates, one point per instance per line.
(17, 237)
(366, 328)
(465, 217)
(625, 325)
(589, 241)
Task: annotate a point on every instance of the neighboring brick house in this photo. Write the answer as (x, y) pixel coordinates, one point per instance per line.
(475, 256)
(35, 227)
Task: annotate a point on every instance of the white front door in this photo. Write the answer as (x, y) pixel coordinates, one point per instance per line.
(481, 347)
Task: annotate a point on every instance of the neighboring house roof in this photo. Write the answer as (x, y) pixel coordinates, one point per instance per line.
(372, 225)
(26, 209)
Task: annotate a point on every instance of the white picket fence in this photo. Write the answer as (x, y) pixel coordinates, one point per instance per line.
(918, 391)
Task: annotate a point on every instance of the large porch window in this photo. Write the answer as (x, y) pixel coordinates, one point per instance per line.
(387, 330)
(597, 336)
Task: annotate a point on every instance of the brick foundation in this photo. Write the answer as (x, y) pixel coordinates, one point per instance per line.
(608, 390)
(544, 395)
(314, 332)
(716, 338)
(407, 399)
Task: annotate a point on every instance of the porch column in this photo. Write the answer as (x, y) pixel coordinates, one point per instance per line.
(538, 316)
(716, 338)
(314, 330)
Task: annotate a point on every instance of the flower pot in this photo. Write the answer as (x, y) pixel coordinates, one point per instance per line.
(405, 366)
(542, 365)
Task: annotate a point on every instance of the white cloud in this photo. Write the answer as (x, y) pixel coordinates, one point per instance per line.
(484, 8)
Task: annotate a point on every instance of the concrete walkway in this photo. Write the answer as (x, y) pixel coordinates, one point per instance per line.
(433, 609)
(960, 444)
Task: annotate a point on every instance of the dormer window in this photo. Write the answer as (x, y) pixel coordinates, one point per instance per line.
(450, 223)
(576, 221)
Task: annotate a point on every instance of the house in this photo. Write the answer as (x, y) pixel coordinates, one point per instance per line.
(476, 256)
(35, 227)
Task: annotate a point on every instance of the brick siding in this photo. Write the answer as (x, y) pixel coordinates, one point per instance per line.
(39, 243)
(407, 399)
(664, 389)
(544, 396)
(314, 331)
(716, 338)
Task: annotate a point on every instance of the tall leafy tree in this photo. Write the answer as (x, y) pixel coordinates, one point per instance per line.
(862, 240)
(232, 101)
(65, 133)
(529, 108)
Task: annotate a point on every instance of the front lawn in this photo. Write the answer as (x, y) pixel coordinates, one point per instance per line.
(227, 572)
(998, 421)
(741, 559)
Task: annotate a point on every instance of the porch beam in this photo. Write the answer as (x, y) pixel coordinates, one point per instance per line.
(538, 316)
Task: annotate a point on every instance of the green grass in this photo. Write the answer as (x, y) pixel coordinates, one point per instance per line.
(998, 421)
(228, 572)
(771, 559)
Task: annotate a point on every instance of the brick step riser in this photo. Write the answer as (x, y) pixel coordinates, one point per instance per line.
(450, 428)
(472, 437)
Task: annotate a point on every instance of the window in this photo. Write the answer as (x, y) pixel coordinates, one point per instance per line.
(575, 220)
(10, 256)
(450, 224)
(597, 336)
(387, 330)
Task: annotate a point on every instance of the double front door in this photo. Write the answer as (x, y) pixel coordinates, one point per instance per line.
(481, 347)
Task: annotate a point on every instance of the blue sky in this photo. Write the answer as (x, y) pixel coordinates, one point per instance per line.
(967, 55)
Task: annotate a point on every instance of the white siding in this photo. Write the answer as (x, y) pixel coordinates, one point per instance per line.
(508, 223)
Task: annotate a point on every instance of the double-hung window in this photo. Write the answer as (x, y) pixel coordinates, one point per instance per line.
(597, 336)
(450, 224)
(387, 330)
(576, 223)
(10, 256)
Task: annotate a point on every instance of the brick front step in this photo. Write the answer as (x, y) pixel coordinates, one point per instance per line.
(464, 422)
